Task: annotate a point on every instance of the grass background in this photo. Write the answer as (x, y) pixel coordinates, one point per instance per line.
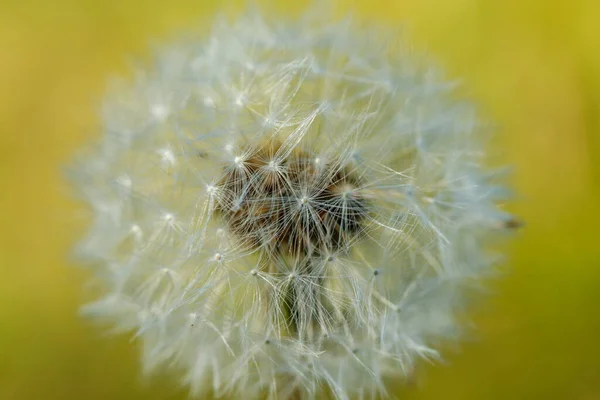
(534, 65)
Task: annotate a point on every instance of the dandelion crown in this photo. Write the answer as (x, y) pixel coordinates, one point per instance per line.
(285, 208)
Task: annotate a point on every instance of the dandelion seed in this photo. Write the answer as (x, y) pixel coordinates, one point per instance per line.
(327, 206)
(160, 112)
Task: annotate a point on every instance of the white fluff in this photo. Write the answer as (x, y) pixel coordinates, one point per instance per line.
(201, 300)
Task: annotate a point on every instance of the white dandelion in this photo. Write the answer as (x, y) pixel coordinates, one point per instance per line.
(286, 208)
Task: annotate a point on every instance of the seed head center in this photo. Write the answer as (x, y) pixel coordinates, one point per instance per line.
(300, 210)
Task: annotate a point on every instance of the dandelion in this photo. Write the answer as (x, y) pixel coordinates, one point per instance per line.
(282, 209)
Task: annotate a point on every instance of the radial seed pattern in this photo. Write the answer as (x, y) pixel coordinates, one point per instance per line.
(279, 209)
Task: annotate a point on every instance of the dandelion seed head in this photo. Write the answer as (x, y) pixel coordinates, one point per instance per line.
(297, 206)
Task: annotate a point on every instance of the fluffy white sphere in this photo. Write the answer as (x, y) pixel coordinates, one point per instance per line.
(283, 208)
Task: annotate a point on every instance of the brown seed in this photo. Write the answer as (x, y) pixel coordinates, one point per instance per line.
(289, 205)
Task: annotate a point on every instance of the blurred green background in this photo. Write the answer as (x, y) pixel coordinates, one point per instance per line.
(534, 66)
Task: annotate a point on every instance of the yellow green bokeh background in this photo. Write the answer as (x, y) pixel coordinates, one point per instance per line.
(534, 66)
